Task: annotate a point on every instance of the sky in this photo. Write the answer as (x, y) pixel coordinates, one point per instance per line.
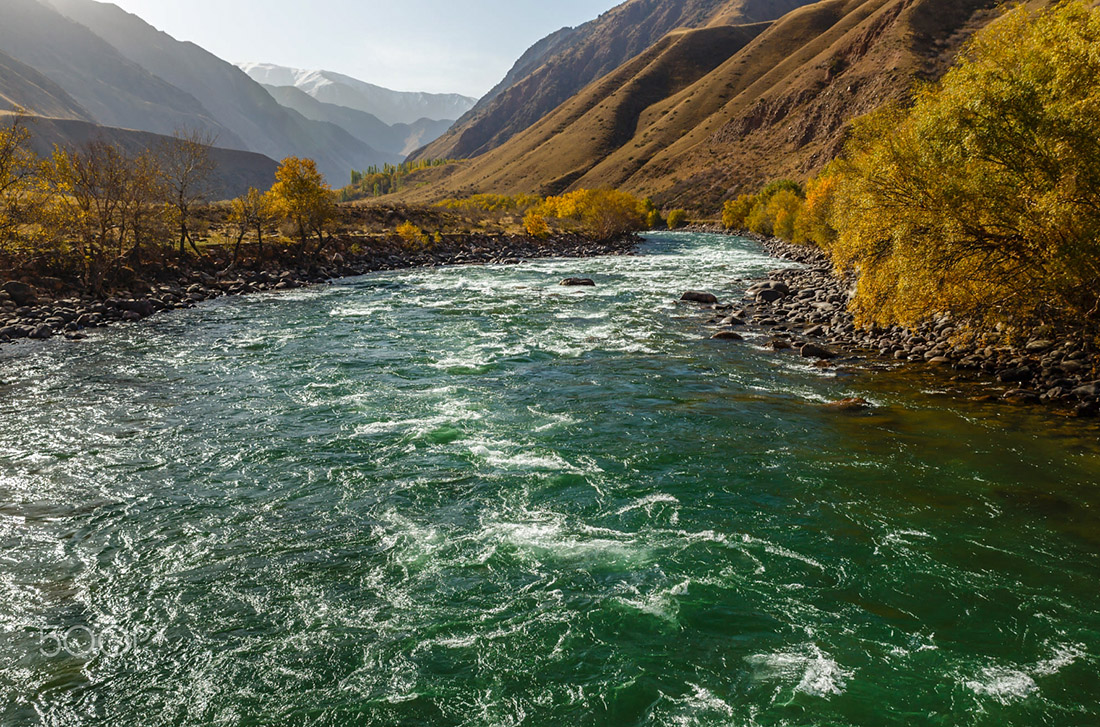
(441, 46)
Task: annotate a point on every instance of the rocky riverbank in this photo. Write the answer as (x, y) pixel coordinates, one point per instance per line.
(34, 310)
(805, 309)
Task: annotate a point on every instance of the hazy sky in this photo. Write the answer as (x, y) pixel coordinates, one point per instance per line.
(461, 46)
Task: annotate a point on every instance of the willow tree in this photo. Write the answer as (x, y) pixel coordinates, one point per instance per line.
(983, 199)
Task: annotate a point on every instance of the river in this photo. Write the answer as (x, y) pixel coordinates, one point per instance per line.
(468, 496)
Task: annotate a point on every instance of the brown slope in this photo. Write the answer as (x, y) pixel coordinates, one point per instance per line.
(779, 106)
(602, 118)
(794, 119)
(588, 53)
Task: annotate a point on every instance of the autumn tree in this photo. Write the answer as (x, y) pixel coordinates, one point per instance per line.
(601, 213)
(188, 173)
(106, 202)
(20, 191)
(301, 196)
(250, 212)
(983, 199)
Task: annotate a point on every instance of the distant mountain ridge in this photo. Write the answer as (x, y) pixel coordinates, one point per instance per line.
(22, 87)
(559, 66)
(392, 107)
(397, 140)
(114, 90)
(94, 62)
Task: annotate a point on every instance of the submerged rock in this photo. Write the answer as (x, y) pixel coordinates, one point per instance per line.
(849, 404)
(727, 336)
(578, 282)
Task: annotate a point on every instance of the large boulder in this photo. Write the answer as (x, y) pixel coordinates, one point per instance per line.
(697, 296)
(769, 296)
(1088, 391)
(727, 336)
(812, 350)
(21, 293)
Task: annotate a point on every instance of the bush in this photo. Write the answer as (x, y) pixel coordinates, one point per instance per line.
(983, 200)
(536, 225)
(677, 219)
(602, 213)
(412, 235)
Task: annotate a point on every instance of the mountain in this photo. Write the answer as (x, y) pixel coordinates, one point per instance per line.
(114, 90)
(578, 57)
(23, 87)
(397, 141)
(251, 118)
(392, 107)
(236, 170)
(707, 112)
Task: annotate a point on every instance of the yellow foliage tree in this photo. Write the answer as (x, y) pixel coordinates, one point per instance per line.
(735, 212)
(983, 199)
(20, 189)
(301, 196)
(602, 213)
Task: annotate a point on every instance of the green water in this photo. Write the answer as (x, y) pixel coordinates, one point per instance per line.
(467, 496)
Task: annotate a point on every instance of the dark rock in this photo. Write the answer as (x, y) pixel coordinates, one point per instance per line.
(811, 350)
(1088, 391)
(1021, 396)
(1087, 410)
(696, 296)
(42, 332)
(1015, 375)
(578, 281)
(769, 296)
(19, 292)
(727, 336)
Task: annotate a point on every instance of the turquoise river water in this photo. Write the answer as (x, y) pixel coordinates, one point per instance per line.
(467, 496)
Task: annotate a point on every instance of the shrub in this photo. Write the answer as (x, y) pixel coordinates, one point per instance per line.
(412, 235)
(677, 219)
(983, 200)
(536, 225)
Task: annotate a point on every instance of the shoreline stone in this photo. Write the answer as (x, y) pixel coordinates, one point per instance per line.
(26, 312)
(806, 308)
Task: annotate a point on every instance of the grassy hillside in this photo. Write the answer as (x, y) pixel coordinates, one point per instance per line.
(704, 114)
(583, 56)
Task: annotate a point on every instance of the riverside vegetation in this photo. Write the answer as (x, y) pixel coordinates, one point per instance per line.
(966, 228)
(96, 234)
